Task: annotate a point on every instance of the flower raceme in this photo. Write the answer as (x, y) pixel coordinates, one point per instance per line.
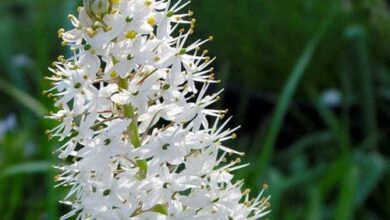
(135, 119)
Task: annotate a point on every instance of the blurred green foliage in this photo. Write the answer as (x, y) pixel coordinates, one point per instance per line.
(336, 163)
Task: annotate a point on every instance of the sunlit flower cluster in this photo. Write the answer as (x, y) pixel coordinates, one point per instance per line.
(140, 139)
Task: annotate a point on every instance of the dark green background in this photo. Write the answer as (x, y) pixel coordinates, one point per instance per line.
(277, 59)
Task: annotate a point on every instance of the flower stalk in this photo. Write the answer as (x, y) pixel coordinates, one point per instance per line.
(129, 112)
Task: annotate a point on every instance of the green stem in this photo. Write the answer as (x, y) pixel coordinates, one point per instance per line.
(133, 127)
(129, 112)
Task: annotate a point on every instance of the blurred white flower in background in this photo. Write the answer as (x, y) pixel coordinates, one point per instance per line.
(21, 60)
(7, 125)
(332, 97)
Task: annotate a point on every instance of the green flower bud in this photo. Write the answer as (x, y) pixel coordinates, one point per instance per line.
(96, 8)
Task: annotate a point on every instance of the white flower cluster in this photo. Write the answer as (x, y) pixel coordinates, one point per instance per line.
(136, 122)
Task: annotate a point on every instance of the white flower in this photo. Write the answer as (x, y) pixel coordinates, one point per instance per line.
(135, 117)
(167, 146)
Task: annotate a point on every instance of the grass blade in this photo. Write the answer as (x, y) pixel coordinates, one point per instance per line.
(23, 98)
(372, 168)
(335, 125)
(315, 204)
(313, 139)
(26, 168)
(346, 203)
(359, 69)
(288, 93)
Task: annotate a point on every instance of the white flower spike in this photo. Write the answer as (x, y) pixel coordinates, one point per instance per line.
(136, 120)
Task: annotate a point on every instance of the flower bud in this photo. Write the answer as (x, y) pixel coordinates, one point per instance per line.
(97, 7)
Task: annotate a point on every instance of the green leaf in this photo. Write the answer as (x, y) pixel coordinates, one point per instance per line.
(23, 98)
(160, 208)
(333, 175)
(361, 76)
(315, 203)
(348, 190)
(372, 168)
(26, 168)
